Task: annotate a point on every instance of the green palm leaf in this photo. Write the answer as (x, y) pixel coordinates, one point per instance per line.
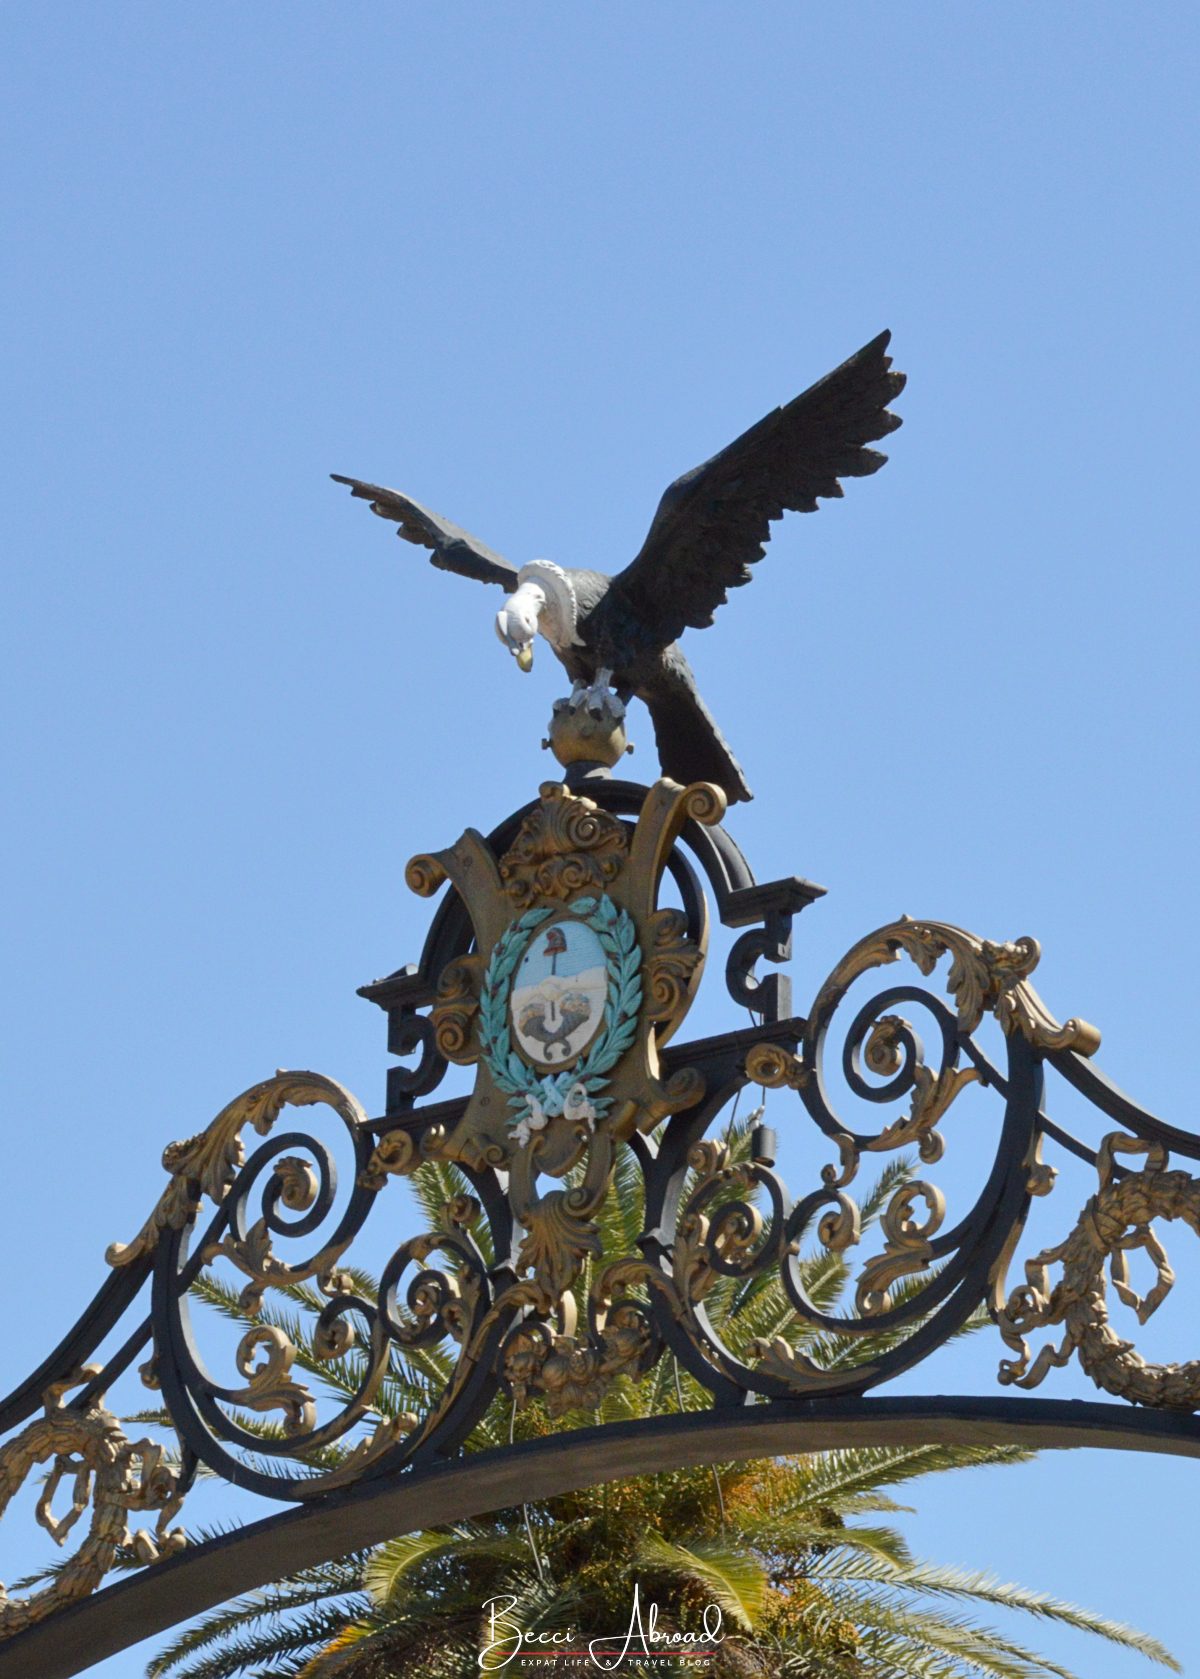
(735, 1578)
(389, 1569)
(335, 1580)
(954, 1583)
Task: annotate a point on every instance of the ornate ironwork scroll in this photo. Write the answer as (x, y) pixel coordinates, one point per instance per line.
(558, 975)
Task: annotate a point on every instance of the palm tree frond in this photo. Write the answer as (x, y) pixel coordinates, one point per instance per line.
(735, 1577)
(930, 1580)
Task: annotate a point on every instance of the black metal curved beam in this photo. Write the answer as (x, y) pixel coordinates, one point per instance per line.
(104, 1312)
(169, 1592)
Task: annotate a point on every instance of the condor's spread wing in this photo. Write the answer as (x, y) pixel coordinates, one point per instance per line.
(452, 549)
(714, 522)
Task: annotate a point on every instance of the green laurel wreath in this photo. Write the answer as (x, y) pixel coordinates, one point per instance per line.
(623, 959)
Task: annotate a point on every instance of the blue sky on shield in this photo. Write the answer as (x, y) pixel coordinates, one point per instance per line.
(529, 263)
(569, 949)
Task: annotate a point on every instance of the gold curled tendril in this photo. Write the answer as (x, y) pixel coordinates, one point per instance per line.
(207, 1164)
(984, 977)
(704, 802)
(269, 1385)
(424, 875)
(906, 1250)
(775, 1068)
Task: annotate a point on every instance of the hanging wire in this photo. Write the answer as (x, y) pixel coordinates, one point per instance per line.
(732, 1120)
(755, 1117)
(712, 1466)
(537, 1559)
(752, 1120)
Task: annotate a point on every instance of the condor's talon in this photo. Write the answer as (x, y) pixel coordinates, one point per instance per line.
(598, 698)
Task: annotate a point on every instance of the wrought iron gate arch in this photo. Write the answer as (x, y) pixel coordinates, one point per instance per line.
(152, 1600)
(536, 1141)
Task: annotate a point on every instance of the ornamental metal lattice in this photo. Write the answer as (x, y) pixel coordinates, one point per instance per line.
(563, 957)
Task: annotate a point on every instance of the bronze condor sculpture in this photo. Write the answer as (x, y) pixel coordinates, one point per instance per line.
(619, 633)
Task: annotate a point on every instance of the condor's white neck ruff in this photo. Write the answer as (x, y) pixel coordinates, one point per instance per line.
(560, 611)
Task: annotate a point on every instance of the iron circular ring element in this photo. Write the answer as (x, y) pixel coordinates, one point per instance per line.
(293, 1183)
(890, 1045)
(433, 1296)
(892, 1049)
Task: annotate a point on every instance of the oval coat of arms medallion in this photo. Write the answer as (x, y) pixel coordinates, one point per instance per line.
(557, 999)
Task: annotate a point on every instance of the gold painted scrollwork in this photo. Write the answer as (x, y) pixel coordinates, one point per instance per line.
(775, 1067)
(269, 1385)
(566, 846)
(424, 875)
(394, 1155)
(777, 1358)
(673, 965)
(207, 1164)
(984, 977)
(455, 1009)
(906, 1251)
(933, 1093)
(1115, 1222)
(105, 1469)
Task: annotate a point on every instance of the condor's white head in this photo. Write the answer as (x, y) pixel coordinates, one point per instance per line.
(517, 621)
(542, 600)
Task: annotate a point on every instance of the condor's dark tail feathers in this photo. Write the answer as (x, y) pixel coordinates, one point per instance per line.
(690, 745)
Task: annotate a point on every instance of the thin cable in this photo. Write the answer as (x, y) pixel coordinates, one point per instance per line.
(537, 1560)
(712, 1466)
(729, 1124)
(755, 1020)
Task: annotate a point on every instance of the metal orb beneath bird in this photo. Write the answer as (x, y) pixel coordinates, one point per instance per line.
(581, 735)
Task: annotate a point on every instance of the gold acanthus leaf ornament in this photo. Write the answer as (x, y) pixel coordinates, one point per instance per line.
(1118, 1219)
(984, 978)
(907, 1250)
(673, 964)
(88, 1449)
(566, 846)
(269, 1385)
(208, 1163)
(558, 1238)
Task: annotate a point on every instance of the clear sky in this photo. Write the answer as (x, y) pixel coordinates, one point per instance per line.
(529, 262)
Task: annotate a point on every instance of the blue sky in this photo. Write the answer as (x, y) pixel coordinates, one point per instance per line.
(529, 263)
(577, 950)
